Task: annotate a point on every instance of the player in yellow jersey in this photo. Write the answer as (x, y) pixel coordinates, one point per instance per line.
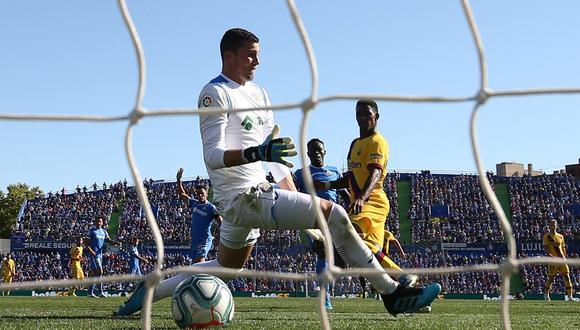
(367, 169)
(555, 246)
(76, 255)
(8, 271)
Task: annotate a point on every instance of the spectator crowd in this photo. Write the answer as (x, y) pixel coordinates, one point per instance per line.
(62, 216)
(470, 219)
(534, 200)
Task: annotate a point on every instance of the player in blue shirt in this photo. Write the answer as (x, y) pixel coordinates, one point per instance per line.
(98, 236)
(320, 172)
(203, 214)
(135, 258)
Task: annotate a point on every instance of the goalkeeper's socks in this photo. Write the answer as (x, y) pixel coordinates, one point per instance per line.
(355, 252)
(165, 288)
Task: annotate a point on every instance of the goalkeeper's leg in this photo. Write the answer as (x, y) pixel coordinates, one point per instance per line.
(295, 210)
(163, 290)
(387, 263)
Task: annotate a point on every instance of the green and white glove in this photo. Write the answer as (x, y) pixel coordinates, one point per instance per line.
(273, 149)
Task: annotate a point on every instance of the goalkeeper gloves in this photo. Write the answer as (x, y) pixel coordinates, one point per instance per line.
(273, 149)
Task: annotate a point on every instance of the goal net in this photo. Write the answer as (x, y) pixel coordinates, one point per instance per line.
(307, 105)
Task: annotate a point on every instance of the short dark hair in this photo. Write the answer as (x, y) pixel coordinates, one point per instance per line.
(201, 186)
(369, 103)
(313, 141)
(234, 39)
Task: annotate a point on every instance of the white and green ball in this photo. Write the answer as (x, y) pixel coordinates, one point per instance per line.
(202, 301)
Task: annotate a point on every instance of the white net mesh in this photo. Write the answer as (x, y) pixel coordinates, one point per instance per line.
(484, 93)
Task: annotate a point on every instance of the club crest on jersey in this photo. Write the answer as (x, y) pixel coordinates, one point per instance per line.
(247, 123)
(206, 101)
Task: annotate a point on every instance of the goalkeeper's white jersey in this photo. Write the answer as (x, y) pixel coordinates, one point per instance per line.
(237, 130)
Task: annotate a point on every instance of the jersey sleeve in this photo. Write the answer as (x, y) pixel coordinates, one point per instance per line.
(213, 126)
(378, 154)
(335, 171)
(214, 211)
(298, 181)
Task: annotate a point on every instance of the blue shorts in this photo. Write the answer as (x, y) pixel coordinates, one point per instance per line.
(200, 249)
(96, 262)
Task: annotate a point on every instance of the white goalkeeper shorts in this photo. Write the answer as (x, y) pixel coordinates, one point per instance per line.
(263, 207)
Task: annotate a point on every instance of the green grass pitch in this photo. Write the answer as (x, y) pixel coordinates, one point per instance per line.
(290, 313)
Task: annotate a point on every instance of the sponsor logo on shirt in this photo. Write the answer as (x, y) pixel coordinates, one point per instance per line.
(247, 123)
(353, 165)
(375, 156)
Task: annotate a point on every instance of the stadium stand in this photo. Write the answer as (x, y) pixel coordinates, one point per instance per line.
(63, 216)
(534, 200)
(470, 218)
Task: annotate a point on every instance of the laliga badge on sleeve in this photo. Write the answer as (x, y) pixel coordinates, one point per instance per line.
(207, 101)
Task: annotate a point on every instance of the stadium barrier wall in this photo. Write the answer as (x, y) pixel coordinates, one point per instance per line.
(19, 244)
(297, 294)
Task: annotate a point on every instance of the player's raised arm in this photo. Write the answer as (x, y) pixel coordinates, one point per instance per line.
(180, 190)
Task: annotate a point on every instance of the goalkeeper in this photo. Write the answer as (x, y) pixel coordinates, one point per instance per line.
(236, 146)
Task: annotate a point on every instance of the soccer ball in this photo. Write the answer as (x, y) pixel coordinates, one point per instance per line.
(202, 301)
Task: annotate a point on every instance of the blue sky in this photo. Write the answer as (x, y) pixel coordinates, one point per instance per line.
(72, 57)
